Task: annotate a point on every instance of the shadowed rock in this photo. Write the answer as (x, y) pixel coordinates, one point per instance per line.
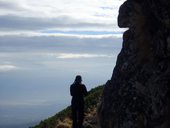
(138, 94)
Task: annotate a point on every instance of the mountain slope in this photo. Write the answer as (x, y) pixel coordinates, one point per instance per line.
(63, 118)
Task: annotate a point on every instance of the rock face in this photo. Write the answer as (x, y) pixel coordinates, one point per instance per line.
(138, 94)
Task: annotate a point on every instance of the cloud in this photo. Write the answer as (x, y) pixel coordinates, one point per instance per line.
(79, 56)
(61, 43)
(22, 15)
(68, 33)
(8, 5)
(10, 22)
(30, 52)
(5, 68)
(53, 8)
(30, 102)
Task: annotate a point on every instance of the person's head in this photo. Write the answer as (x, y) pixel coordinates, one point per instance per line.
(78, 79)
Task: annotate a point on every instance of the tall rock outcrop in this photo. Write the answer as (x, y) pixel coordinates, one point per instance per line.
(138, 94)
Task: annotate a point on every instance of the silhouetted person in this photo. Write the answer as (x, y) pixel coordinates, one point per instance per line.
(77, 91)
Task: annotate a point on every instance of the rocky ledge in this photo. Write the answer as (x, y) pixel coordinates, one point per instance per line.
(138, 94)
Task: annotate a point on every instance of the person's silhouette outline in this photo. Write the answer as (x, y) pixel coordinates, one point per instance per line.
(78, 91)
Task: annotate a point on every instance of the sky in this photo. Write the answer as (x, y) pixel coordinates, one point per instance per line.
(44, 44)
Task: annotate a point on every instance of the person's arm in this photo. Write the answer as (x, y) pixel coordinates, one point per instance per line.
(85, 91)
(71, 90)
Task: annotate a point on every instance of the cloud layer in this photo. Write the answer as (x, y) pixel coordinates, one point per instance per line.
(77, 56)
(4, 68)
(60, 15)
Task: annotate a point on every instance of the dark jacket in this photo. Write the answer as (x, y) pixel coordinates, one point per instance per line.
(78, 92)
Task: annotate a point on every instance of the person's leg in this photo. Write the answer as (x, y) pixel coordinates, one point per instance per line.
(74, 117)
(80, 116)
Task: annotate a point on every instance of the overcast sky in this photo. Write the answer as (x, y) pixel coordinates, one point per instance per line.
(44, 44)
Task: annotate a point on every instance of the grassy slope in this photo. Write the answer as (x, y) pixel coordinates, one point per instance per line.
(64, 116)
